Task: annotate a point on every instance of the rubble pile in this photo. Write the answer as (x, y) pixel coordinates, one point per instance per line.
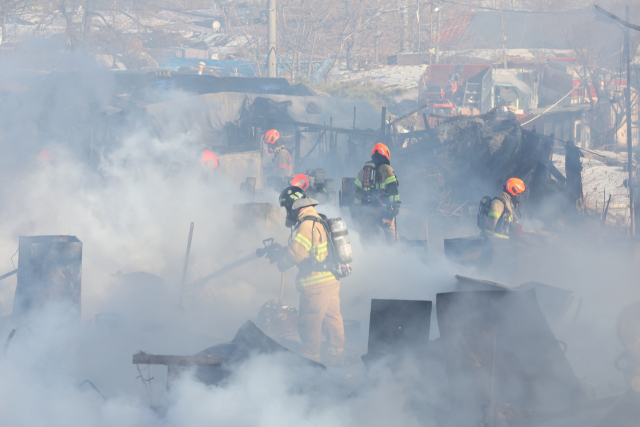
(468, 157)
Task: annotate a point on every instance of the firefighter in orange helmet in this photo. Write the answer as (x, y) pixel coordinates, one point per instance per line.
(282, 163)
(502, 211)
(377, 199)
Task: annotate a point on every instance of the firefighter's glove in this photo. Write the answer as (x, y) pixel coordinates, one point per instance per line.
(275, 252)
(396, 208)
(518, 230)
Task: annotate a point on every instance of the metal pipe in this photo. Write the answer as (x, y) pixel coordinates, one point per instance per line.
(283, 281)
(438, 37)
(186, 264)
(504, 50)
(627, 95)
(271, 61)
(297, 155)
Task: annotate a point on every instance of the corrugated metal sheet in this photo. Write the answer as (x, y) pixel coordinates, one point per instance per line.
(453, 28)
(439, 73)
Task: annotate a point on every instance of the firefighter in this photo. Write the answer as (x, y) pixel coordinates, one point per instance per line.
(208, 160)
(377, 199)
(319, 289)
(502, 211)
(282, 164)
(316, 191)
(301, 181)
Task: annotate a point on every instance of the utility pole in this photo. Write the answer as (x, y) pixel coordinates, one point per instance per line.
(418, 22)
(405, 25)
(504, 50)
(627, 96)
(271, 59)
(438, 35)
(430, 32)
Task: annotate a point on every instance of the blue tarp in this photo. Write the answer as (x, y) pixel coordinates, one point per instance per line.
(224, 67)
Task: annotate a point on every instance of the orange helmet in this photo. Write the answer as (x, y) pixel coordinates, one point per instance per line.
(271, 136)
(382, 149)
(300, 180)
(515, 186)
(208, 160)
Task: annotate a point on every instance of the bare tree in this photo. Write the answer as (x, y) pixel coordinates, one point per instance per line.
(8, 7)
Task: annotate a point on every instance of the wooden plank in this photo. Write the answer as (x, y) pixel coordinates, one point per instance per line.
(155, 359)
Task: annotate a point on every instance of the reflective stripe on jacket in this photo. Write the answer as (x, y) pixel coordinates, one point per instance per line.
(499, 217)
(382, 186)
(282, 161)
(310, 241)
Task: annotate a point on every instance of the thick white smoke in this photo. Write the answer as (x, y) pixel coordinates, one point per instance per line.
(132, 208)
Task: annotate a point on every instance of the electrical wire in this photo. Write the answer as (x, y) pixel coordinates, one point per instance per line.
(559, 101)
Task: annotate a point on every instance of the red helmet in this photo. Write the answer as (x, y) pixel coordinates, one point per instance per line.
(208, 160)
(44, 157)
(382, 149)
(271, 136)
(515, 186)
(300, 180)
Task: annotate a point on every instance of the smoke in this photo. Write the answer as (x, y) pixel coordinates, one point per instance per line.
(131, 206)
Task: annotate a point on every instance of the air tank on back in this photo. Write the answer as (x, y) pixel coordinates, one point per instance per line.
(340, 235)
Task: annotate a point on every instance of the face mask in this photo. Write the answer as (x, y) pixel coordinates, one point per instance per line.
(292, 219)
(516, 200)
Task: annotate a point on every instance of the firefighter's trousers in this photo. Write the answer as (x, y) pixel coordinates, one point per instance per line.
(370, 219)
(320, 307)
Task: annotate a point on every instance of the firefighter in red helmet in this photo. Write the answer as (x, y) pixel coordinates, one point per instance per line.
(377, 199)
(208, 160)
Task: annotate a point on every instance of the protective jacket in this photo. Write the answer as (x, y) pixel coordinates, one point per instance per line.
(282, 162)
(500, 216)
(308, 243)
(377, 186)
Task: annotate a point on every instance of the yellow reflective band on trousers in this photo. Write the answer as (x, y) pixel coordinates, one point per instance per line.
(335, 351)
(498, 235)
(494, 214)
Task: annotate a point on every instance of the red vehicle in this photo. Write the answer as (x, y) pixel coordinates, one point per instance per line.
(434, 93)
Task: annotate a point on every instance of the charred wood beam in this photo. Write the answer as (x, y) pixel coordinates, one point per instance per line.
(154, 359)
(413, 134)
(11, 273)
(315, 128)
(411, 113)
(554, 171)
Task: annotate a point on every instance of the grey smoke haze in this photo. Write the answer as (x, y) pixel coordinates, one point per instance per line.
(132, 209)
